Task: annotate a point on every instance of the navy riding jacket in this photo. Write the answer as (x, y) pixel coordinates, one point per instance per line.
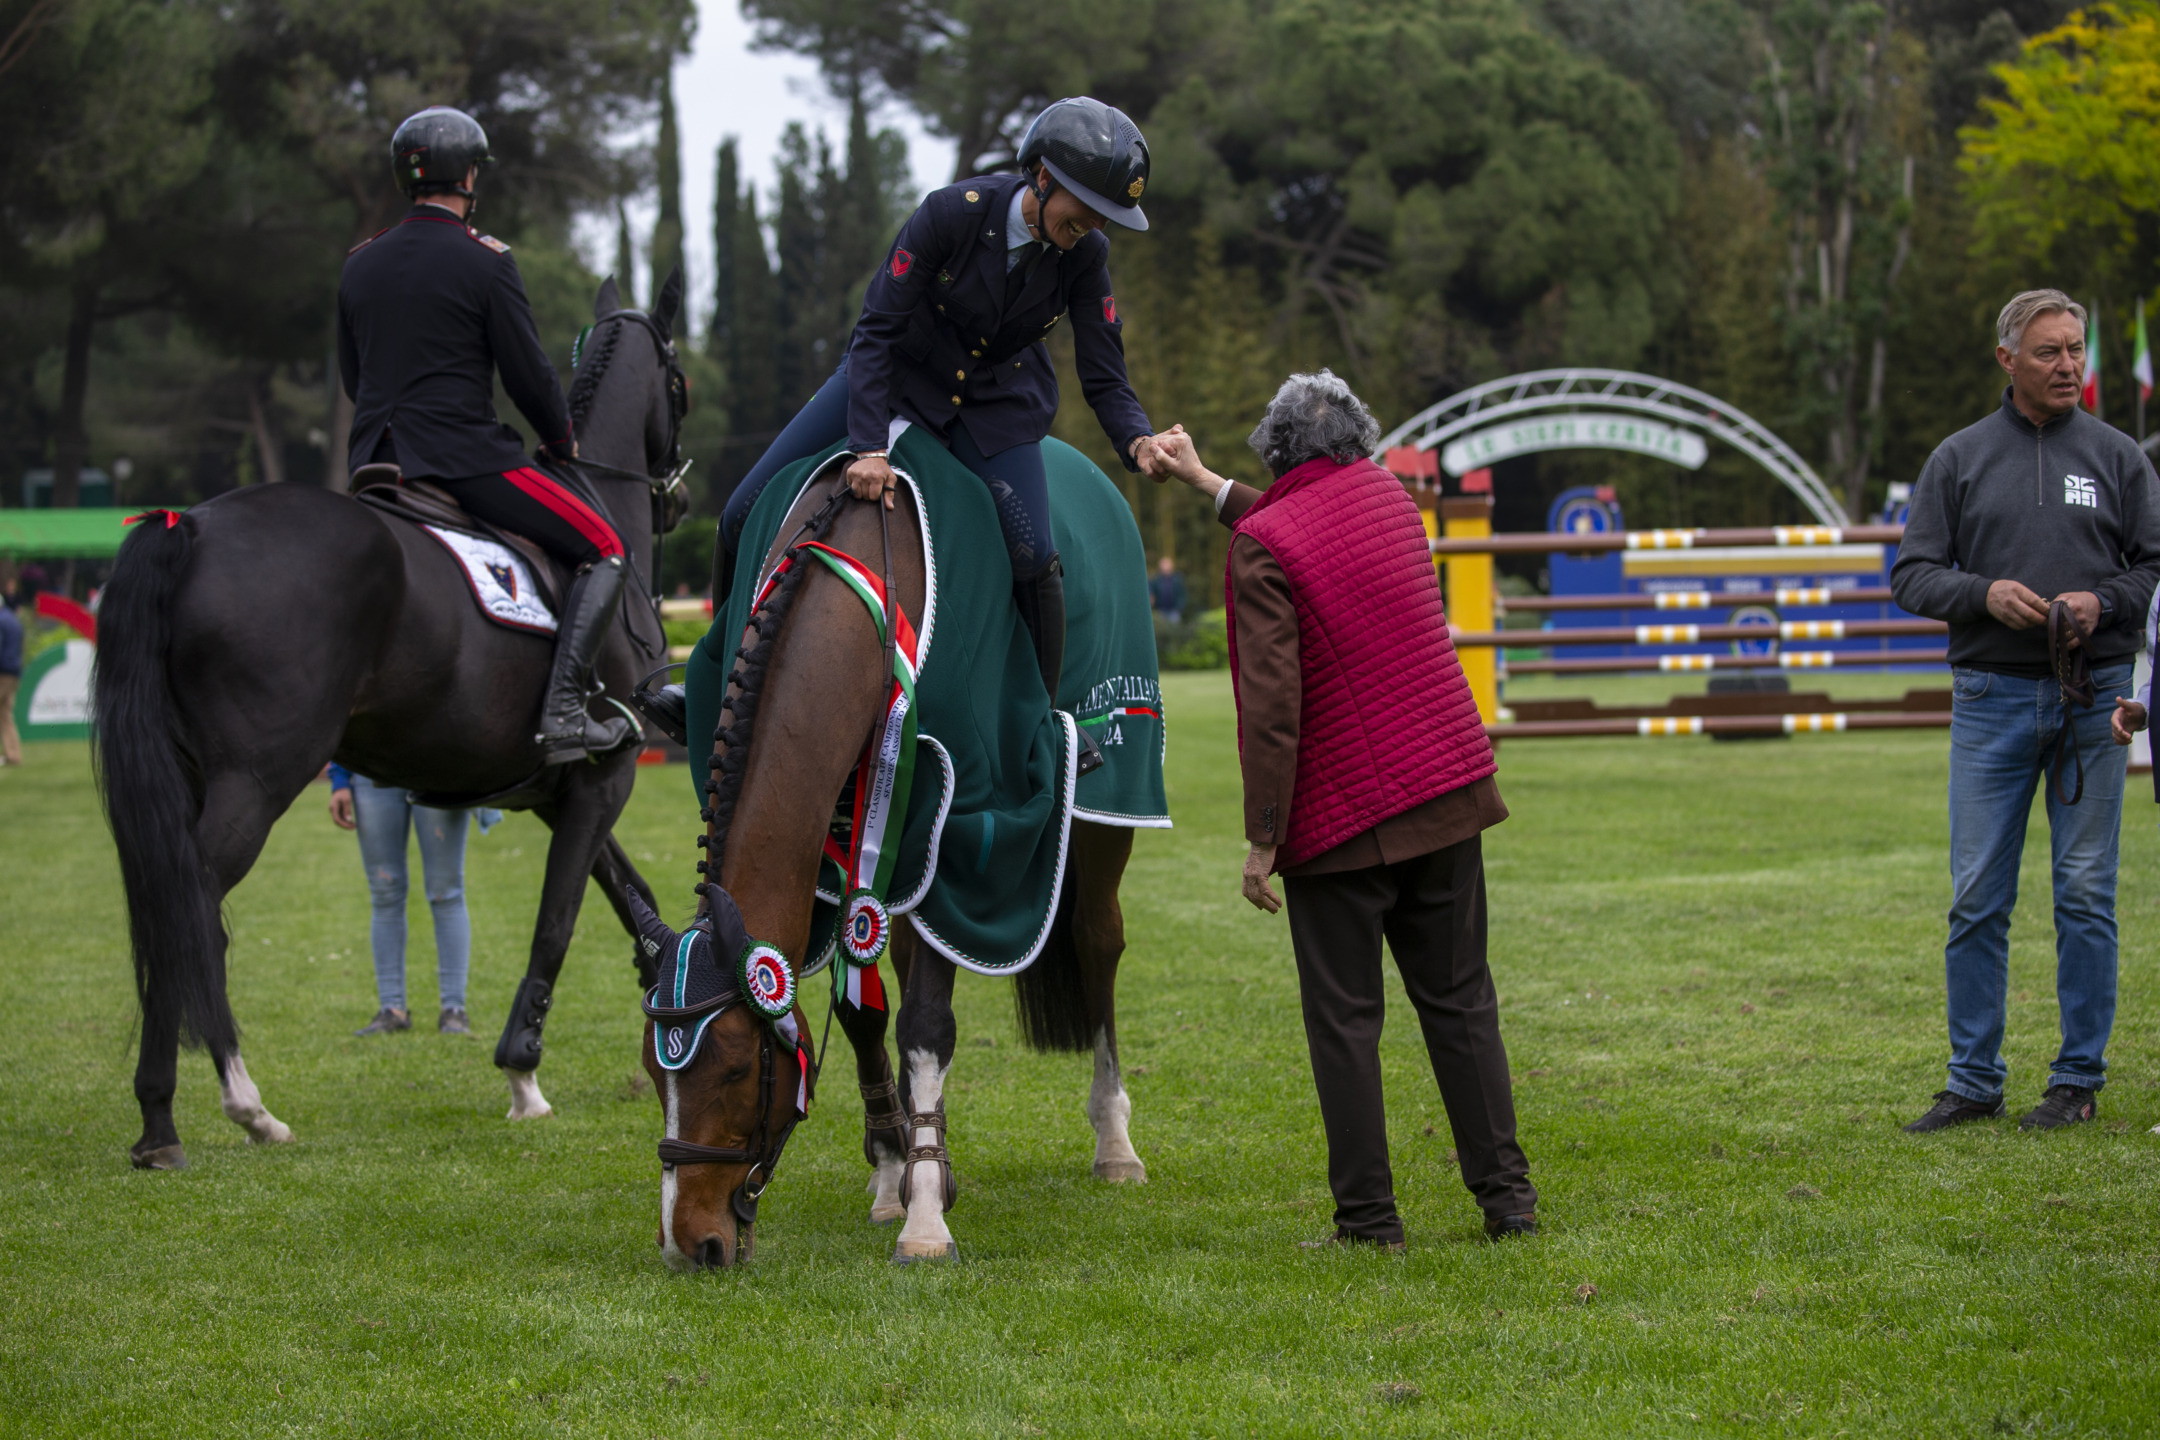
(428, 311)
(937, 337)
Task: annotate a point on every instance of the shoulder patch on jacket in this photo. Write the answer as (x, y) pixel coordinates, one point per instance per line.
(491, 242)
(369, 241)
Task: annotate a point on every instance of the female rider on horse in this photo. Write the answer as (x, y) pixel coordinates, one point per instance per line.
(428, 310)
(951, 339)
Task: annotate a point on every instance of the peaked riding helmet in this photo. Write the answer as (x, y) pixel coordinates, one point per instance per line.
(434, 149)
(1095, 151)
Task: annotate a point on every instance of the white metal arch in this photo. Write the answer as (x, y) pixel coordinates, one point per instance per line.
(1540, 390)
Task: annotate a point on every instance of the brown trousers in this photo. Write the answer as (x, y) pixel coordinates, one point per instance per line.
(10, 742)
(1431, 910)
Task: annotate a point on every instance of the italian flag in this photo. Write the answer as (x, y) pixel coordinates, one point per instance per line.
(2091, 398)
(2141, 367)
(2091, 361)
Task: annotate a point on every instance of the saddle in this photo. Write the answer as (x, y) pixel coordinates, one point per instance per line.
(384, 488)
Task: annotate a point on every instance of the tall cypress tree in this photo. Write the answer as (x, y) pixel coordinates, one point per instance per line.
(625, 259)
(727, 206)
(667, 238)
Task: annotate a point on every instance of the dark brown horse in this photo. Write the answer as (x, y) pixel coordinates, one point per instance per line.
(798, 710)
(259, 635)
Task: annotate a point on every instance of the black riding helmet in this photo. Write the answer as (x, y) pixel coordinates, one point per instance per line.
(434, 149)
(1095, 151)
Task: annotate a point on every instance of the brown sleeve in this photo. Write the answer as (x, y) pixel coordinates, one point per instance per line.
(1241, 498)
(1270, 688)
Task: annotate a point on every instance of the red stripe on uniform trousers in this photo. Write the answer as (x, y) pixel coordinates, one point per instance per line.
(576, 512)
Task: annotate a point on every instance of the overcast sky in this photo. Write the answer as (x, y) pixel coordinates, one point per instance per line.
(725, 88)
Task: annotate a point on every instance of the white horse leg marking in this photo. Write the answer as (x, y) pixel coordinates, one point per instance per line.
(884, 1188)
(925, 1236)
(242, 1104)
(526, 1101)
(1109, 1109)
(669, 1250)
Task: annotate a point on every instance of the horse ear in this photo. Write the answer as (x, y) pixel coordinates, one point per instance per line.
(608, 301)
(665, 308)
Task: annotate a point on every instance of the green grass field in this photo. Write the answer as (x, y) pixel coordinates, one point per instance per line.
(1720, 968)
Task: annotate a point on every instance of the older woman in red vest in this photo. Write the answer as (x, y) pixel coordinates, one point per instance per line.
(1368, 781)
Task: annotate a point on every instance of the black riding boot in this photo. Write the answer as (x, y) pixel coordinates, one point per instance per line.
(1042, 610)
(519, 1048)
(566, 731)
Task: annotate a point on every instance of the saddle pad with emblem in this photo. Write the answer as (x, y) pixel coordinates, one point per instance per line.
(501, 581)
(983, 850)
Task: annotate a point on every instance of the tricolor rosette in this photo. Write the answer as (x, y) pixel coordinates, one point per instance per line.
(865, 927)
(768, 979)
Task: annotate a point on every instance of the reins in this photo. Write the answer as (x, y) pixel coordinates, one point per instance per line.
(2068, 643)
(723, 791)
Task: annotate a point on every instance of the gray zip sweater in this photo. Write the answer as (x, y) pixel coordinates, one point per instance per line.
(2066, 506)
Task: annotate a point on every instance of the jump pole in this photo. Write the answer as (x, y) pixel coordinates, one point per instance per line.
(1784, 597)
(1546, 542)
(1681, 664)
(1658, 726)
(1785, 630)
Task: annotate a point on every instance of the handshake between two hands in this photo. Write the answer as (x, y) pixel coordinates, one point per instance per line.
(2021, 608)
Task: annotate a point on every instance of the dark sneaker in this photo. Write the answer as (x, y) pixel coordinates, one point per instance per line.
(453, 1022)
(1509, 1227)
(2062, 1105)
(1952, 1108)
(385, 1021)
(1343, 1240)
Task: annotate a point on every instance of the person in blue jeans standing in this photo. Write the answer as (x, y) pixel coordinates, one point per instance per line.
(2038, 503)
(384, 815)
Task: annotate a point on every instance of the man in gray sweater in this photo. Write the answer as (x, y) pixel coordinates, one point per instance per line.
(2037, 503)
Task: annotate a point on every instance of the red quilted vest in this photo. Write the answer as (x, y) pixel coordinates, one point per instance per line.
(1387, 721)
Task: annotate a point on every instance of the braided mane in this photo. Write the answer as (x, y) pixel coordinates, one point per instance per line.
(585, 385)
(739, 707)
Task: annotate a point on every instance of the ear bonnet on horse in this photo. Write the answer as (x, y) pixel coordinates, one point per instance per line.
(697, 985)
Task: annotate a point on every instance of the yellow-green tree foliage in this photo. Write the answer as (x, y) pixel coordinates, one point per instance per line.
(2064, 178)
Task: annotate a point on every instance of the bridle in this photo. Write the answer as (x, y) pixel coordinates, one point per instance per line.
(762, 1154)
(2069, 657)
(670, 496)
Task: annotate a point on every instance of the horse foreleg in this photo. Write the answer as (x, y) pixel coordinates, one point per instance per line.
(1100, 853)
(614, 872)
(927, 1037)
(580, 821)
(884, 1131)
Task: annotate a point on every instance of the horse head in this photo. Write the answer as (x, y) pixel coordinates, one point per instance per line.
(628, 396)
(729, 1057)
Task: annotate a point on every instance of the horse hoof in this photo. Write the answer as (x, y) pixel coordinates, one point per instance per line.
(270, 1131)
(1120, 1172)
(164, 1157)
(888, 1212)
(526, 1101)
(908, 1252)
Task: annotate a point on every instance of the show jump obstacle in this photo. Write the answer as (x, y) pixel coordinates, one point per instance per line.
(1786, 597)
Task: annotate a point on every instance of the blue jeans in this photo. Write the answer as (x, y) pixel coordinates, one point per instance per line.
(384, 815)
(2002, 738)
(1019, 486)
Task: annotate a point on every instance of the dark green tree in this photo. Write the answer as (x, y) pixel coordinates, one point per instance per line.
(667, 237)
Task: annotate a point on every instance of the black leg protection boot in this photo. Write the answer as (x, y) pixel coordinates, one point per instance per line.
(1042, 610)
(519, 1048)
(566, 731)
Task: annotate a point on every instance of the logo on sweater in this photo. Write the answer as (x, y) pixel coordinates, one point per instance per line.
(902, 262)
(2077, 490)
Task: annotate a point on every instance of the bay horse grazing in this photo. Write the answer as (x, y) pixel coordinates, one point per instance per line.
(802, 697)
(248, 641)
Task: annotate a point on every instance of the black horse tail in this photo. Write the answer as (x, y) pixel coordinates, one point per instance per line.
(152, 794)
(1049, 997)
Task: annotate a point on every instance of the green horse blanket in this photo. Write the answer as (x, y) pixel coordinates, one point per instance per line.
(983, 847)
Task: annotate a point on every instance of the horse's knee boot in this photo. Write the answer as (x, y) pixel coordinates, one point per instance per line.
(519, 1048)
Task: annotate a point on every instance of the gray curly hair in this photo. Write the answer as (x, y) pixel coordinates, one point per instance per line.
(1311, 416)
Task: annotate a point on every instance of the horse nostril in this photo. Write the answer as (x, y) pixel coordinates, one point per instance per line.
(711, 1253)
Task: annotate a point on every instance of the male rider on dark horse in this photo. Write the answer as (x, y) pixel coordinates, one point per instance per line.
(951, 339)
(428, 310)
